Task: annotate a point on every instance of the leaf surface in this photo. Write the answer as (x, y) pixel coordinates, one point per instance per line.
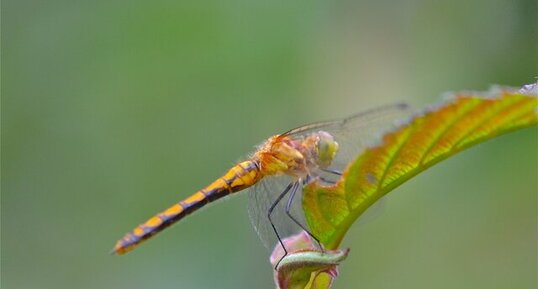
(424, 140)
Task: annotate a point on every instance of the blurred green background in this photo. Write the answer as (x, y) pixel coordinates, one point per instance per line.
(114, 110)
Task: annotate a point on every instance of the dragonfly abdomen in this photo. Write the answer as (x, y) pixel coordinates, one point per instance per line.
(241, 176)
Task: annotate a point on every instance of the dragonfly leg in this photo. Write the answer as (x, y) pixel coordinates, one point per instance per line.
(271, 209)
(331, 171)
(330, 182)
(288, 207)
(309, 179)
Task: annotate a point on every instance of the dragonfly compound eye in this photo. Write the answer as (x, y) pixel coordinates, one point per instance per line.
(327, 148)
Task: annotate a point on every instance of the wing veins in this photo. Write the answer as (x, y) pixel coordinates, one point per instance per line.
(344, 121)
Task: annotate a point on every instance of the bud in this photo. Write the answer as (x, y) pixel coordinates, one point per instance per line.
(305, 266)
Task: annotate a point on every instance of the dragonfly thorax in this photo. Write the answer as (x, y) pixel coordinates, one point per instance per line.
(297, 157)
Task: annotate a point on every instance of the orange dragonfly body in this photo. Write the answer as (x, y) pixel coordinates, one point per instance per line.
(280, 165)
(278, 155)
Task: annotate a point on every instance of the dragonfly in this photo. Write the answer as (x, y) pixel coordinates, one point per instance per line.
(280, 167)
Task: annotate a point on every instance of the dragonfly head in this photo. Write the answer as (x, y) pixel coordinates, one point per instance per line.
(326, 148)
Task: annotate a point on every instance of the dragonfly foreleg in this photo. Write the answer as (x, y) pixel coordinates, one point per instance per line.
(331, 171)
(330, 182)
(309, 179)
(270, 211)
(294, 189)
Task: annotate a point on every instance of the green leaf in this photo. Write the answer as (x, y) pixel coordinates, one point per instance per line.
(426, 139)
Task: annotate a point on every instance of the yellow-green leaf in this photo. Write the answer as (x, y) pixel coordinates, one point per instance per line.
(424, 140)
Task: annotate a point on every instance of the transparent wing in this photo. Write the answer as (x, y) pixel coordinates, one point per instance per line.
(357, 132)
(261, 197)
(353, 134)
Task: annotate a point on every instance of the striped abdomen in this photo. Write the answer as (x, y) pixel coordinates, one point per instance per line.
(236, 179)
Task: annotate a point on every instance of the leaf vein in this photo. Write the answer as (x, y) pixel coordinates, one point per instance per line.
(393, 158)
(481, 123)
(443, 133)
